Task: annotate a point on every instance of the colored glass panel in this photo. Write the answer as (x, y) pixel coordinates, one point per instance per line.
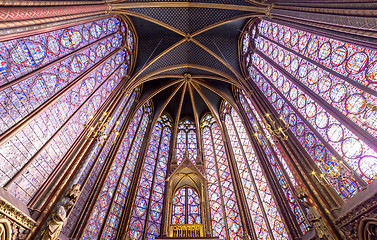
(334, 132)
(149, 199)
(345, 97)
(112, 200)
(262, 206)
(65, 119)
(322, 156)
(186, 141)
(256, 121)
(225, 216)
(95, 160)
(28, 53)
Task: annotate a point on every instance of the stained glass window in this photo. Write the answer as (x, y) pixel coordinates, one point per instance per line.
(147, 211)
(224, 212)
(323, 88)
(186, 141)
(186, 207)
(110, 203)
(276, 160)
(262, 206)
(92, 165)
(56, 81)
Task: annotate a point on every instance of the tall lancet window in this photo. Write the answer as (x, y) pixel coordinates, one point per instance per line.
(186, 207)
(324, 88)
(96, 158)
(51, 84)
(105, 217)
(186, 141)
(224, 212)
(277, 161)
(146, 217)
(266, 218)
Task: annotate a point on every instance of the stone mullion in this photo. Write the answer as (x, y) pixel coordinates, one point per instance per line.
(44, 186)
(132, 191)
(10, 132)
(117, 100)
(219, 184)
(164, 228)
(328, 191)
(186, 205)
(314, 188)
(58, 60)
(247, 221)
(281, 168)
(317, 64)
(312, 127)
(153, 180)
(283, 154)
(80, 226)
(120, 176)
(362, 134)
(252, 178)
(199, 150)
(111, 111)
(278, 194)
(64, 178)
(324, 200)
(56, 132)
(352, 34)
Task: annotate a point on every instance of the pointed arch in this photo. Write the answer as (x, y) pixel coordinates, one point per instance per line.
(147, 210)
(186, 140)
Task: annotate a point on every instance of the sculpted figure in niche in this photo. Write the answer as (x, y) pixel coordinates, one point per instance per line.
(74, 192)
(59, 219)
(55, 225)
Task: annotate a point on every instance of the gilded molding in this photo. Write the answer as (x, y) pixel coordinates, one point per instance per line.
(17, 13)
(16, 215)
(21, 3)
(350, 221)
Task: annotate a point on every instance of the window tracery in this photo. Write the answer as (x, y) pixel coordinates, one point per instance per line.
(186, 141)
(266, 219)
(147, 211)
(278, 163)
(110, 203)
(318, 85)
(95, 159)
(58, 80)
(224, 211)
(186, 207)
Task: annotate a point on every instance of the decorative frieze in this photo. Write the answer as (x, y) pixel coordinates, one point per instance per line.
(14, 223)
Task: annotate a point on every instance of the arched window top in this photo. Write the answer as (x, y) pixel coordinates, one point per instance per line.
(224, 211)
(186, 206)
(207, 120)
(165, 120)
(186, 125)
(323, 88)
(147, 210)
(186, 140)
